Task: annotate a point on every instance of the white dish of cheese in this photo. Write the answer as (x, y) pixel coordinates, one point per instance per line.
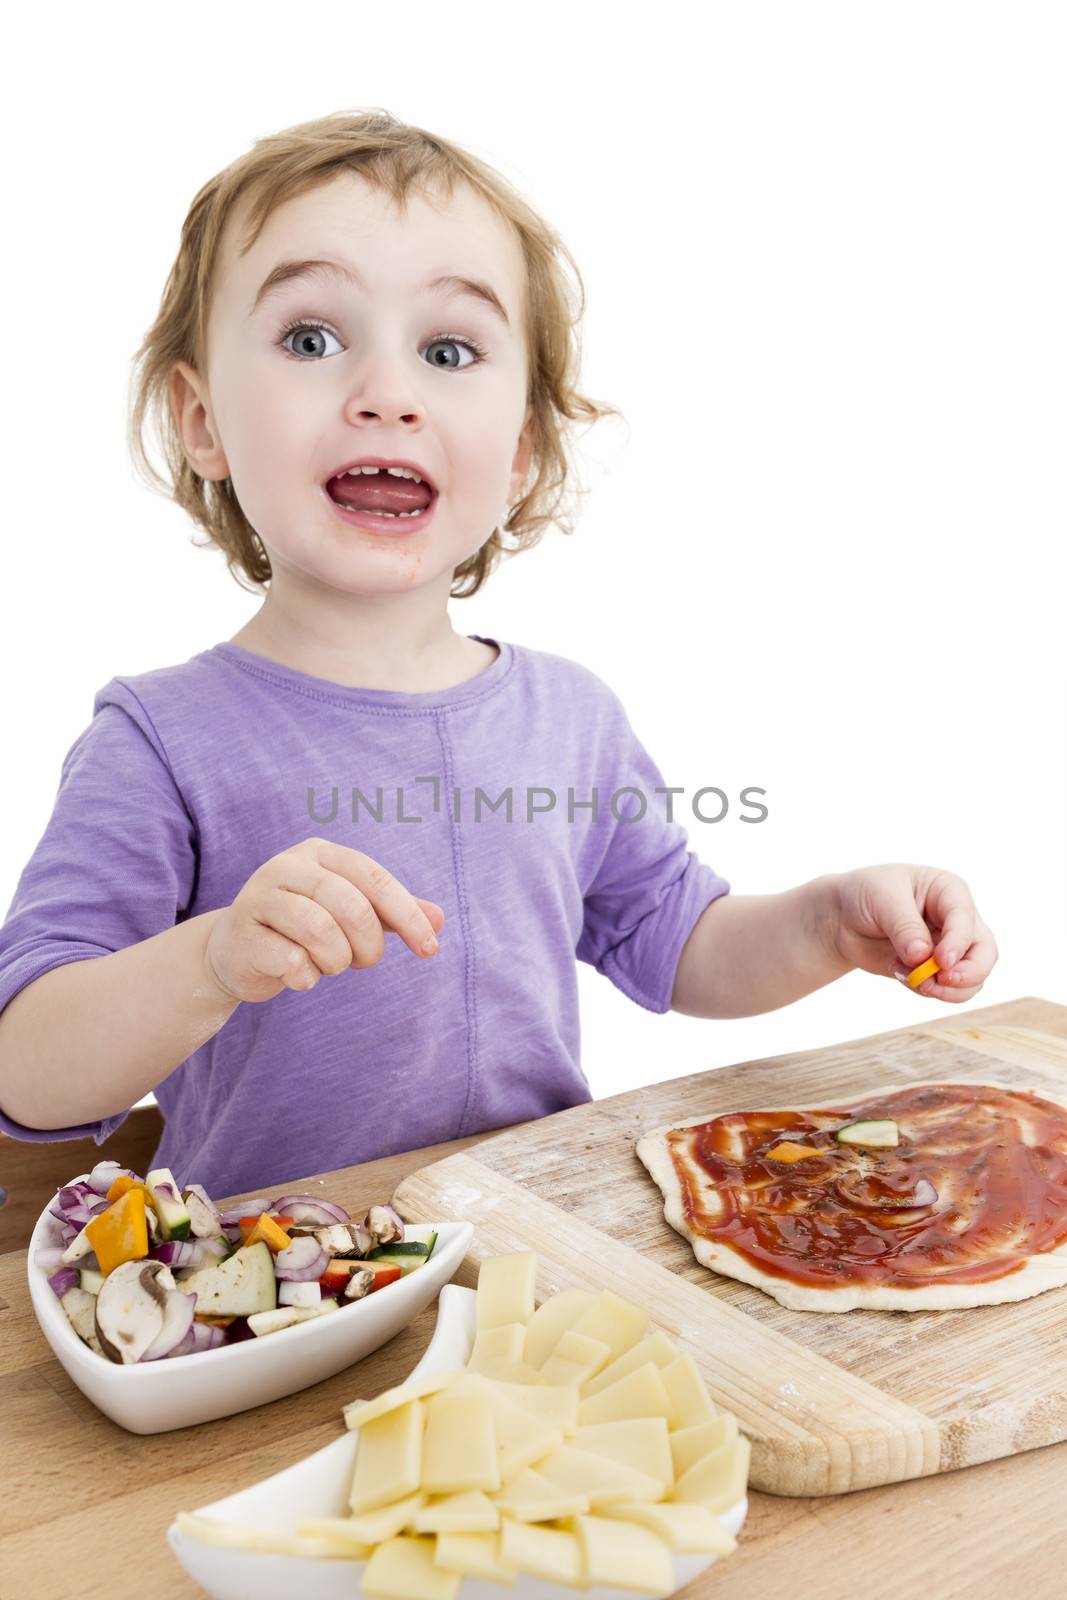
(474, 1336)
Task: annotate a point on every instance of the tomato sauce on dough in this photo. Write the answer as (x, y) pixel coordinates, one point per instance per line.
(847, 1215)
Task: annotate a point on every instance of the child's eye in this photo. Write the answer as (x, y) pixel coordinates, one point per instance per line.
(309, 328)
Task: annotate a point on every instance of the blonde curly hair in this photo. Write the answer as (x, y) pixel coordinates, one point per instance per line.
(397, 159)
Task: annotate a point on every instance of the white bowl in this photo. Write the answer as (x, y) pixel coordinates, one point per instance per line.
(154, 1396)
(319, 1486)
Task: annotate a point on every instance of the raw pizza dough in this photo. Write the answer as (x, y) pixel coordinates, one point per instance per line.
(1047, 1270)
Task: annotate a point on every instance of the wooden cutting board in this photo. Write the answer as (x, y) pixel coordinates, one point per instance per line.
(830, 1401)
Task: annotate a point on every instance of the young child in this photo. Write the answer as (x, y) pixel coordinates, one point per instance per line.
(232, 829)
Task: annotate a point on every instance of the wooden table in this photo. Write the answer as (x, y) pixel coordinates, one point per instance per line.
(84, 1505)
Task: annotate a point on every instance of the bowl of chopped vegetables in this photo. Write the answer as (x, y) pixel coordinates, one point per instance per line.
(136, 1280)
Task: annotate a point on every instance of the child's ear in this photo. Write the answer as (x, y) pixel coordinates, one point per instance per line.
(191, 410)
(520, 466)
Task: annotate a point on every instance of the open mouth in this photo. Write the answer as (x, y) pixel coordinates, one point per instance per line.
(378, 493)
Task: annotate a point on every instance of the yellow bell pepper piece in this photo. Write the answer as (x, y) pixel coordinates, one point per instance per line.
(788, 1151)
(920, 974)
(121, 1232)
(124, 1184)
(267, 1231)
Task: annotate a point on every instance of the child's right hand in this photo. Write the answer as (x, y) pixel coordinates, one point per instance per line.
(318, 907)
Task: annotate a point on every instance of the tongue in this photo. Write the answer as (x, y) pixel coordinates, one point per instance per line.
(378, 491)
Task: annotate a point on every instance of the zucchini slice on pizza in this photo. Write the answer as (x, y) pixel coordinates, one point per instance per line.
(928, 1197)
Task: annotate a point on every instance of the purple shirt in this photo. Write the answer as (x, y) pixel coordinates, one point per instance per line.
(190, 777)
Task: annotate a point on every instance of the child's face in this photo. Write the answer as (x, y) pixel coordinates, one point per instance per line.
(376, 382)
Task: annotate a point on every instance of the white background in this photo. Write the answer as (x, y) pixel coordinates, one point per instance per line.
(825, 255)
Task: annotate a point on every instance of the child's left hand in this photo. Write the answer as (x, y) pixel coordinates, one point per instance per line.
(889, 919)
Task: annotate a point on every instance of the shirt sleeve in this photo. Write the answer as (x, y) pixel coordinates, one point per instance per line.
(649, 889)
(116, 864)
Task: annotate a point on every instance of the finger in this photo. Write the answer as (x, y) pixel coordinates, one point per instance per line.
(903, 925)
(432, 910)
(275, 956)
(396, 907)
(949, 901)
(307, 922)
(933, 989)
(299, 971)
(974, 967)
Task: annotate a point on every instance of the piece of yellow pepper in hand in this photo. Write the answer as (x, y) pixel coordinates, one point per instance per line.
(121, 1232)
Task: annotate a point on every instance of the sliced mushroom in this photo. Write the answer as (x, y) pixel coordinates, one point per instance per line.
(362, 1238)
(177, 1320)
(80, 1307)
(360, 1283)
(336, 1240)
(385, 1224)
(130, 1309)
(203, 1220)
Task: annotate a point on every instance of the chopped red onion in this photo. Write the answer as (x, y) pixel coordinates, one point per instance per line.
(175, 1253)
(925, 1193)
(247, 1208)
(202, 1194)
(305, 1208)
(207, 1250)
(104, 1174)
(201, 1336)
(71, 1198)
(65, 1279)
(302, 1260)
(49, 1258)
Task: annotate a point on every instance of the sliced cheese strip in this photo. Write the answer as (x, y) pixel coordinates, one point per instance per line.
(389, 1458)
(552, 1319)
(240, 1536)
(642, 1443)
(471, 1512)
(404, 1569)
(501, 1370)
(688, 1528)
(553, 1403)
(546, 1552)
(336, 1531)
(688, 1392)
(689, 1444)
(615, 1321)
(624, 1555)
(473, 1555)
(654, 1347)
(640, 1394)
(460, 1448)
(361, 1411)
(374, 1526)
(575, 1358)
(529, 1497)
(522, 1437)
(598, 1477)
(506, 1289)
(505, 1343)
(719, 1480)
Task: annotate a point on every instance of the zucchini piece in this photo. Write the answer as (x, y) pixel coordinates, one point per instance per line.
(170, 1208)
(388, 1257)
(878, 1135)
(420, 1233)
